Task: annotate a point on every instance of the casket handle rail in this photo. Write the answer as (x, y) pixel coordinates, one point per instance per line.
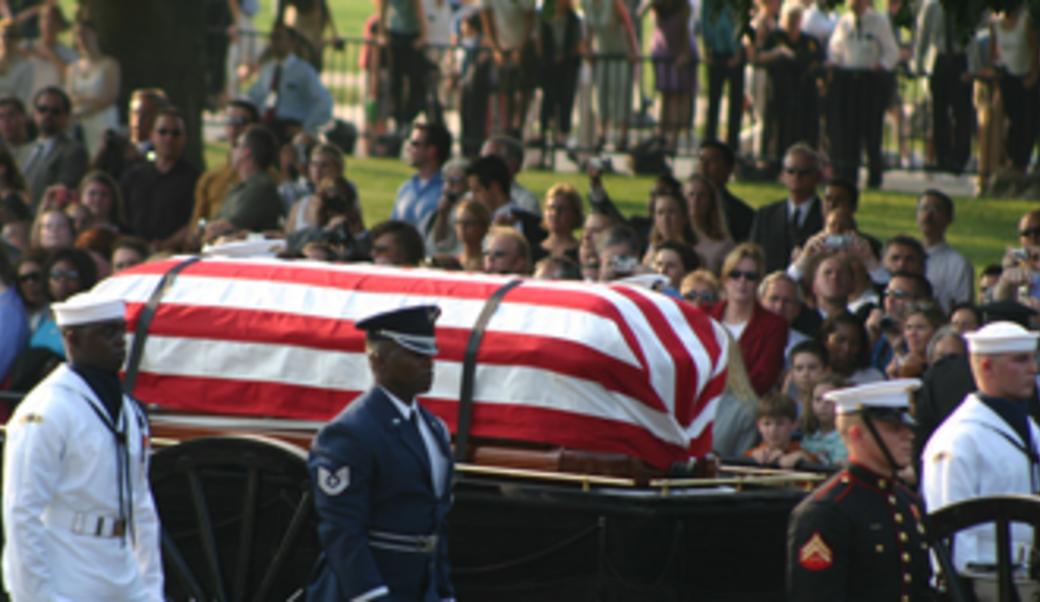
(144, 322)
(469, 368)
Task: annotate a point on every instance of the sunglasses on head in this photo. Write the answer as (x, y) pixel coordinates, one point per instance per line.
(752, 276)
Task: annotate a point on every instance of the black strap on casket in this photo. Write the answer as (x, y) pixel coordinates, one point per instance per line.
(469, 369)
(144, 322)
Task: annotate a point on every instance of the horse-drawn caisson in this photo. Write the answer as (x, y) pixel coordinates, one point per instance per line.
(581, 417)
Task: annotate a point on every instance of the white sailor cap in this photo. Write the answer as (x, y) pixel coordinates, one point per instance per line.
(1001, 337)
(886, 400)
(88, 308)
(409, 327)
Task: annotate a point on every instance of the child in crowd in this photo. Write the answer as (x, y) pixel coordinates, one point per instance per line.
(819, 436)
(808, 361)
(776, 420)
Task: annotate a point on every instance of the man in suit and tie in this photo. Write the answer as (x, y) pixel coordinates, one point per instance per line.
(54, 158)
(382, 473)
(716, 162)
(781, 226)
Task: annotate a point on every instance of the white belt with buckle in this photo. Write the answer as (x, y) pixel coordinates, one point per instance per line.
(85, 524)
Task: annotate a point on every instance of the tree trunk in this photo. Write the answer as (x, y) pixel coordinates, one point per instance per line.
(158, 43)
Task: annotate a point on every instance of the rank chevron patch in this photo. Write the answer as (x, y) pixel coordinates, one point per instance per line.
(815, 555)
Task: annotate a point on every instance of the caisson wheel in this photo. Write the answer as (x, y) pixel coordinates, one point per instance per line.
(237, 517)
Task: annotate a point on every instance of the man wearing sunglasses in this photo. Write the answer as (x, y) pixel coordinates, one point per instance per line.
(55, 158)
(159, 195)
(781, 226)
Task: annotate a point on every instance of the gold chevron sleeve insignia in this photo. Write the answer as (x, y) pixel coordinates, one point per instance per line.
(816, 555)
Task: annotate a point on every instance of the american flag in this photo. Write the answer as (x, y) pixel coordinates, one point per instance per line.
(610, 368)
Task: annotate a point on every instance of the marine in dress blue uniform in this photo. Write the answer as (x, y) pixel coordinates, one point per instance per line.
(381, 474)
(860, 536)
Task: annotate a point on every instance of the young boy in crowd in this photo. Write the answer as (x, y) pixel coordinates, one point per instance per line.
(808, 361)
(776, 420)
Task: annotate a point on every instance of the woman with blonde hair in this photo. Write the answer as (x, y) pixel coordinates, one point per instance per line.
(472, 220)
(562, 215)
(760, 333)
(670, 222)
(102, 196)
(707, 221)
(16, 71)
(734, 428)
(93, 85)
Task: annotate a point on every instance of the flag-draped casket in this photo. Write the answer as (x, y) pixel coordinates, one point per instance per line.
(600, 368)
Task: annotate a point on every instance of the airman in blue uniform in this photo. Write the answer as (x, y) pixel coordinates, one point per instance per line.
(381, 474)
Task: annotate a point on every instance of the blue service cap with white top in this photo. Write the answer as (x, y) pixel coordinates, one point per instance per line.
(87, 308)
(886, 400)
(409, 327)
(1001, 337)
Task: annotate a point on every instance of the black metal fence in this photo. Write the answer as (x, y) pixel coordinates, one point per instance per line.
(615, 104)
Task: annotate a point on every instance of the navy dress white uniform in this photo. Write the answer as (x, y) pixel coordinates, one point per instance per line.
(382, 474)
(859, 536)
(79, 520)
(989, 445)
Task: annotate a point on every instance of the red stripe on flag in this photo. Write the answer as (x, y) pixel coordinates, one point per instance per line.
(240, 398)
(490, 420)
(555, 427)
(497, 348)
(685, 370)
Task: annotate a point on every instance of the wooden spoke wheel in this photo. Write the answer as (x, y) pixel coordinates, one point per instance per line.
(999, 510)
(238, 519)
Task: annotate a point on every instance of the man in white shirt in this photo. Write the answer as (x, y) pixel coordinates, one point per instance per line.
(863, 53)
(950, 273)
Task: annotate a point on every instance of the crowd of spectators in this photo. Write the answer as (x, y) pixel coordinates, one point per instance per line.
(799, 72)
(809, 300)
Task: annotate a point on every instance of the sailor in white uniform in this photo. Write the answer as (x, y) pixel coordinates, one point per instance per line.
(989, 444)
(79, 520)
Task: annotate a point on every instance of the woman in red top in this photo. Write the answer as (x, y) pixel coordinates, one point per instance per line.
(760, 333)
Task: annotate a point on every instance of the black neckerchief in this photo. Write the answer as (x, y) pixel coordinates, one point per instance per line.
(1015, 415)
(107, 387)
(1011, 412)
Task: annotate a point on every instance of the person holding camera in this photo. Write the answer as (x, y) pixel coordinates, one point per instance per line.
(339, 222)
(839, 235)
(441, 236)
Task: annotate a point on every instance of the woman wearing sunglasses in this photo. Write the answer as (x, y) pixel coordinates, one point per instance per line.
(67, 272)
(760, 333)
